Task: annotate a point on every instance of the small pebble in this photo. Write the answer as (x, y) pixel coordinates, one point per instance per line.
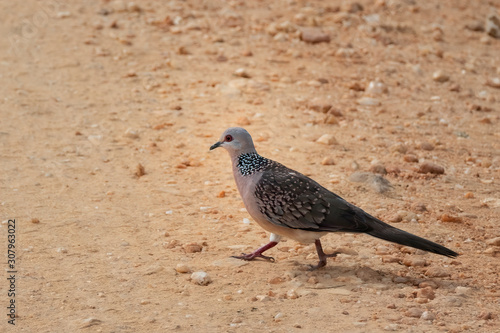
(221, 194)
(414, 312)
(493, 82)
(440, 76)
(192, 248)
(314, 35)
(463, 290)
(436, 272)
(201, 278)
(426, 146)
(427, 167)
(494, 241)
(327, 139)
(182, 268)
(279, 316)
(242, 72)
(328, 161)
(35, 220)
(485, 315)
(376, 88)
(492, 26)
(426, 292)
(139, 170)
(450, 218)
(427, 315)
(131, 134)
(410, 158)
(292, 294)
(414, 262)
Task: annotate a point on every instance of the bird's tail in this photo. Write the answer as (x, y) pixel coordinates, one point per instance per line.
(389, 233)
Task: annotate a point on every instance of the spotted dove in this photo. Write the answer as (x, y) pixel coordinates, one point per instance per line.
(287, 203)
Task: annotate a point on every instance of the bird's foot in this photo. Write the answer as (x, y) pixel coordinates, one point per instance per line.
(253, 256)
(322, 260)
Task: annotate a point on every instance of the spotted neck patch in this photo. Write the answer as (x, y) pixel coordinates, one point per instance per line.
(250, 163)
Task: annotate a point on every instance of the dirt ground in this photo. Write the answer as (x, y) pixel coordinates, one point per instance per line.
(108, 109)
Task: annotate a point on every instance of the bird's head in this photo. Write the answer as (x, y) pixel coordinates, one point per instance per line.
(236, 141)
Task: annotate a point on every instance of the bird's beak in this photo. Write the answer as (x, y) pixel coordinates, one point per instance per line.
(215, 145)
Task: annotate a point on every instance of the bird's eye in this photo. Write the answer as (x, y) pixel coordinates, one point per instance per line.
(229, 138)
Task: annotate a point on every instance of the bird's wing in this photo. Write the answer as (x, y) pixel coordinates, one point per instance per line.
(290, 199)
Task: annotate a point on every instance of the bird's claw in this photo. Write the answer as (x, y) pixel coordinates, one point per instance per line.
(252, 256)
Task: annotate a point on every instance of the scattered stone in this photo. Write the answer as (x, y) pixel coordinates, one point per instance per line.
(319, 105)
(391, 259)
(378, 183)
(140, 171)
(399, 148)
(426, 292)
(201, 278)
(440, 76)
(131, 134)
(427, 167)
(392, 328)
(414, 312)
(493, 82)
(410, 158)
(426, 146)
(436, 272)
(376, 88)
(492, 26)
(415, 262)
(35, 220)
(494, 241)
(493, 251)
(450, 218)
(327, 139)
(192, 248)
(90, 322)
(452, 301)
(475, 26)
(328, 161)
(485, 315)
(314, 35)
(378, 168)
(427, 315)
(368, 101)
(242, 72)
(292, 294)
(330, 119)
(276, 280)
(462, 291)
(221, 194)
(279, 316)
(419, 207)
(182, 268)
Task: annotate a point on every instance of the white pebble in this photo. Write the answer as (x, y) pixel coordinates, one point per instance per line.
(428, 316)
(169, 212)
(376, 88)
(201, 278)
(246, 221)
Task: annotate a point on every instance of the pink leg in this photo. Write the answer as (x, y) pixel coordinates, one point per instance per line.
(258, 253)
(322, 255)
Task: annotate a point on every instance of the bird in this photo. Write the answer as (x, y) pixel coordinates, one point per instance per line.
(288, 204)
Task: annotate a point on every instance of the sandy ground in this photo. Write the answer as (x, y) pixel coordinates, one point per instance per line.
(90, 91)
